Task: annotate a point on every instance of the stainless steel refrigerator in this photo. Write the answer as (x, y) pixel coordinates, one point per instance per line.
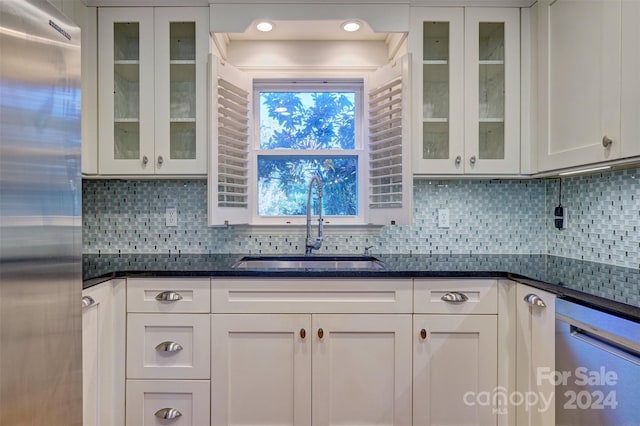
(40, 216)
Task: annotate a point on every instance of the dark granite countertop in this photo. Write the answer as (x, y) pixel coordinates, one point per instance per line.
(611, 288)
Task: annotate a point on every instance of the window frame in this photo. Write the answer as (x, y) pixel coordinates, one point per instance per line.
(356, 85)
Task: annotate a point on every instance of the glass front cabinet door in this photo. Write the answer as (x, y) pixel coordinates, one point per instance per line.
(467, 69)
(152, 88)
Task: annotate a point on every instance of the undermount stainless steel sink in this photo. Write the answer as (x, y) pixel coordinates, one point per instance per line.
(309, 262)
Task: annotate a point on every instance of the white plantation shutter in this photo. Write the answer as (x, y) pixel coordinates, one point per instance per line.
(390, 183)
(230, 110)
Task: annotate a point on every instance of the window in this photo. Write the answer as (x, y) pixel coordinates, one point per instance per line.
(269, 137)
(304, 129)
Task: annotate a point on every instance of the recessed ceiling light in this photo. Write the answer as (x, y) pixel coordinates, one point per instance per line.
(264, 26)
(351, 26)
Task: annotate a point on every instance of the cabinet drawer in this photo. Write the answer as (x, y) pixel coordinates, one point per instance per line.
(320, 295)
(455, 296)
(153, 351)
(179, 295)
(145, 398)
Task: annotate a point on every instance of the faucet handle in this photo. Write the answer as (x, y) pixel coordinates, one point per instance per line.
(366, 251)
(313, 244)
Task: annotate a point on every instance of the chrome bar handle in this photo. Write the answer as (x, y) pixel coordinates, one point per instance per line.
(454, 297)
(535, 300)
(168, 296)
(167, 413)
(87, 301)
(169, 347)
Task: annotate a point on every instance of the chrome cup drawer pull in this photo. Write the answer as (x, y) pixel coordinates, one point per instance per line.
(534, 300)
(454, 297)
(167, 413)
(87, 301)
(168, 296)
(169, 347)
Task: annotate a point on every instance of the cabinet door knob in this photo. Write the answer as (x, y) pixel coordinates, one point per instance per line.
(168, 296)
(423, 334)
(458, 160)
(534, 300)
(160, 160)
(169, 347)
(145, 160)
(167, 413)
(87, 301)
(303, 333)
(454, 297)
(472, 160)
(320, 333)
(606, 141)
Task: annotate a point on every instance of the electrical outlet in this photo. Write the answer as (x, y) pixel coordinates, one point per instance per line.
(171, 216)
(443, 218)
(561, 219)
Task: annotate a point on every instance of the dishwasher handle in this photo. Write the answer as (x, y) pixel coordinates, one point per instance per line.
(603, 340)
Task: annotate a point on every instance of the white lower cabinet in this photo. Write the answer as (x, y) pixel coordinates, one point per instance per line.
(535, 355)
(168, 352)
(454, 367)
(261, 369)
(326, 352)
(455, 352)
(168, 346)
(311, 369)
(103, 351)
(361, 370)
(168, 402)
(336, 362)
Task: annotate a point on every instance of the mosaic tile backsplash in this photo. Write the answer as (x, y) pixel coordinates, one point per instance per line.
(499, 217)
(603, 218)
(486, 217)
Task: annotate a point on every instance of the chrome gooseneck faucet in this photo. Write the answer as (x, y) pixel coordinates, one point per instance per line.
(314, 243)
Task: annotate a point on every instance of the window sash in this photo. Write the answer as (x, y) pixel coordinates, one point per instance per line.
(307, 85)
(342, 85)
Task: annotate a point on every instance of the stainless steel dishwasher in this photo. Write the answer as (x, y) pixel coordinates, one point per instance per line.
(597, 373)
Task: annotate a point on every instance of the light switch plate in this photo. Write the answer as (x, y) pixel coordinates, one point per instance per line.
(443, 218)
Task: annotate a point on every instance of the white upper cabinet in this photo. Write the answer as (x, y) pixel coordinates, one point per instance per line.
(125, 64)
(630, 119)
(437, 42)
(181, 54)
(153, 90)
(85, 17)
(467, 72)
(492, 89)
(579, 73)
